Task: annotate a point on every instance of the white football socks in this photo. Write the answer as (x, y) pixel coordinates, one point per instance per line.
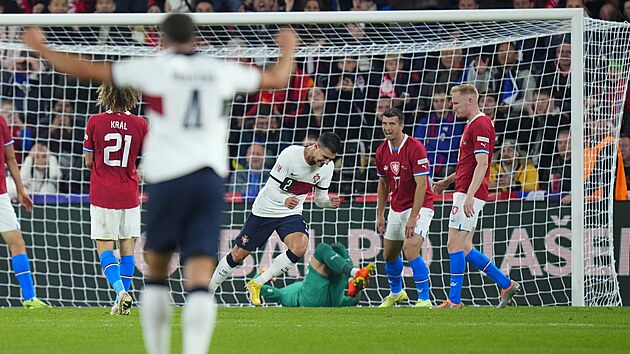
(280, 265)
(198, 320)
(222, 272)
(155, 315)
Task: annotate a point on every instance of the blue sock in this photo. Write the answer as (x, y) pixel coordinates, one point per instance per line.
(22, 270)
(421, 277)
(458, 267)
(127, 267)
(394, 271)
(109, 262)
(482, 263)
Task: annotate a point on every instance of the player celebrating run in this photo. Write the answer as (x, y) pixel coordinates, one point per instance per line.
(471, 193)
(278, 207)
(403, 167)
(113, 142)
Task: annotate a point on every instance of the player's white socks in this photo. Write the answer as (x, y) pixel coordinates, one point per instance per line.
(198, 319)
(155, 314)
(222, 272)
(353, 272)
(280, 265)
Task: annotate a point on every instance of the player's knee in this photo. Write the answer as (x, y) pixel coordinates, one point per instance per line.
(299, 248)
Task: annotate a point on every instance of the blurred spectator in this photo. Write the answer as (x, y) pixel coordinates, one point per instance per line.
(312, 6)
(40, 171)
(626, 10)
(393, 81)
(314, 119)
(266, 5)
(252, 178)
(229, 5)
(290, 101)
(510, 171)
(555, 76)
(264, 131)
(363, 5)
(346, 87)
(538, 131)
(445, 68)
(560, 178)
(179, 6)
(513, 83)
(205, 6)
(504, 126)
(112, 35)
(610, 12)
(624, 146)
(440, 132)
(22, 134)
(467, 4)
(574, 4)
(310, 140)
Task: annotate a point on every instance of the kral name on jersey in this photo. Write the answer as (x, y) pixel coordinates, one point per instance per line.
(118, 125)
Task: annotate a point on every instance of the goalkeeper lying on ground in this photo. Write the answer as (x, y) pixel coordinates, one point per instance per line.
(329, 273)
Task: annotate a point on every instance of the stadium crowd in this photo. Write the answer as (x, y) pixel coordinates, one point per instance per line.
(524, 87)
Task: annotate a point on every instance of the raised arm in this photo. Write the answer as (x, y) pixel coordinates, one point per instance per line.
(65, 62)
(278, 76)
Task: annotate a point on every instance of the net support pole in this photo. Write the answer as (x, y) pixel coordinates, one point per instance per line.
(577, 163)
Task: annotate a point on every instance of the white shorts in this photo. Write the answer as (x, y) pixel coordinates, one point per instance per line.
(458, 219)
(396, 223)
(114, 224)
(8, 219)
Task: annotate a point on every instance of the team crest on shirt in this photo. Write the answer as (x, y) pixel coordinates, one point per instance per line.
(454, 210)
(316, 178)
(395, 166)
(244, 239)
(278, 167)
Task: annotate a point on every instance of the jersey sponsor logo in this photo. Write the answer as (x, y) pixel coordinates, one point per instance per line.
(482, 144)
(423, 162)
(244, 239)
(483, 139)
(455, 210)
(395, 166)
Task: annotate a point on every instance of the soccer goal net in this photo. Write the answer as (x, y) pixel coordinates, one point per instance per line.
(554, 83)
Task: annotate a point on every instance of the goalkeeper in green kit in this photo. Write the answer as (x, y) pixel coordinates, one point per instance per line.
(329, 273)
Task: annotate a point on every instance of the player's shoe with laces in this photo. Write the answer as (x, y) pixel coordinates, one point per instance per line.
(35, 303)
(124, 303)
(114, 310)
(424, 304)
(253, 290)
(390, 300)
(448, 305)
(507, 295)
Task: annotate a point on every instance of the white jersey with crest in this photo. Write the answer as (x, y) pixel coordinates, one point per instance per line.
(187, 96)
(291, 176)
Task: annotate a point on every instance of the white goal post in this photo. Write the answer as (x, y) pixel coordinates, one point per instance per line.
(525, 233)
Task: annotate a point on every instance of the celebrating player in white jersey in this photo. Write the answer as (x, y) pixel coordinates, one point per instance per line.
(403, 170)
(471, 193)
(112, 144)
(186, 162)
(278, 207)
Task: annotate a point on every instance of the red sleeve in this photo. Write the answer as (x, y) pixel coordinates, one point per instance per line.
(88, 142)
(419, 160)
(482, 138)
(6, 133)
(379, 159)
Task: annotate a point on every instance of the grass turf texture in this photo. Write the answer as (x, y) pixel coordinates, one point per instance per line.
(347, 330)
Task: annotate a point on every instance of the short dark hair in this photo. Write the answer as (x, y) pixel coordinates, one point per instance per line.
(330, 141)
(394, 112)
(178, 28)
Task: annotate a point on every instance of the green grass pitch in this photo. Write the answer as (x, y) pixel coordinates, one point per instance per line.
(334, 330)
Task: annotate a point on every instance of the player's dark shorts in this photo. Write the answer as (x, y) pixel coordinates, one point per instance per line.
(186, 213)
(258, 229)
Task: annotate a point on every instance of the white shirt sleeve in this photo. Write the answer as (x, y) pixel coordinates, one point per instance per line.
(241, 77)
(135, 73)
(321, 198)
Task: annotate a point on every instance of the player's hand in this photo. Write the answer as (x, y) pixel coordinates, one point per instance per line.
(469, 207)
(291, 202)
(566, 200)
(440, 186)
(25, 201)
(287, 40)
(410, 227)
(34, 38)
(380, 225)
(335, 201)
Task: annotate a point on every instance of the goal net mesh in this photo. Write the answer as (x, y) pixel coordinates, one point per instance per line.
(345, 76)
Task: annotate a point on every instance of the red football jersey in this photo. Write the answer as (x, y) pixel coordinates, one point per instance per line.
(478, 138)
(116, 140)
(399, 166)
(7, 139)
